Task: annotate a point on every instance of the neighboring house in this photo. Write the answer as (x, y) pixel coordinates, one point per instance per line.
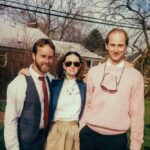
(21, 37)
(16, 42)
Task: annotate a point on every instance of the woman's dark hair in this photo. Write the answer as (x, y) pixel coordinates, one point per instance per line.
(41, 43)
(60, 72)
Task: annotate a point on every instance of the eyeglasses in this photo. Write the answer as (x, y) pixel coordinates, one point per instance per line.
(105, 86)
(69, 63)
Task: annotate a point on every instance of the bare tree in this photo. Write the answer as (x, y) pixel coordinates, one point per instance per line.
(136, 13)
(53, 17)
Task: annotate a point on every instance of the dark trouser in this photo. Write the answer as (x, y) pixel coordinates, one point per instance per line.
(37, 144)
(91, 140)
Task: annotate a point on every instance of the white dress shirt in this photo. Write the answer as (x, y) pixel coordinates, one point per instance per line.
(120, 64)
(69, 102)
(16, 94)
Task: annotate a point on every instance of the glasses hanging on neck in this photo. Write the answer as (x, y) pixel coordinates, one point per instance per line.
(109, 81)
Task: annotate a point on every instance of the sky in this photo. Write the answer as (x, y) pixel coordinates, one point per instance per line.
(96, 9)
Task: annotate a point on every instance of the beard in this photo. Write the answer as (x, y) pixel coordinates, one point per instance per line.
(42, 67)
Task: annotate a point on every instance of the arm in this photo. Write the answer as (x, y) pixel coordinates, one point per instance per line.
(89, 93)
(15, 99)
(137, 115)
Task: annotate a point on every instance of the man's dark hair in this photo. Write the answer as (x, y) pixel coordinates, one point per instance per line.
(42, 42)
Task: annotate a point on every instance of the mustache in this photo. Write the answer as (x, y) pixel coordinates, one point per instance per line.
(116, 53)
(47, 64)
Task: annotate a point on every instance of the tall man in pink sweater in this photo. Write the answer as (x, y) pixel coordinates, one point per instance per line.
(115, 101)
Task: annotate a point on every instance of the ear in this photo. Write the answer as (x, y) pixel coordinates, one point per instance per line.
(106, 46)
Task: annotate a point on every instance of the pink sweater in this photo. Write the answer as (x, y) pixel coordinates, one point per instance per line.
(114, 113)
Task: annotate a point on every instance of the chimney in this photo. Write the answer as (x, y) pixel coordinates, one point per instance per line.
(32, 24)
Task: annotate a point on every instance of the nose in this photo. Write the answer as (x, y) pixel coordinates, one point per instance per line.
(47, 60)
(116, 48)
(72, 65)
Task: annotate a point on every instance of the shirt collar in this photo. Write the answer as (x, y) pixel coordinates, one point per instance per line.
(121, 64)
(70, 81)
(34, 74)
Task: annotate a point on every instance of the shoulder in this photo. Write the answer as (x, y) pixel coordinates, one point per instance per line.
(96, 70)
(135, 75)
(135, 72)
(97, 67)
(50, 76)
(80, 82)
(17, 84)
(18, 81)
(55, 82)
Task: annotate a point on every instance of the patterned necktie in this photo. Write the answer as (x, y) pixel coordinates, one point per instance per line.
(45, 93)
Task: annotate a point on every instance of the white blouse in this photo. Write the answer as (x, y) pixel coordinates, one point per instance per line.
(69, 102)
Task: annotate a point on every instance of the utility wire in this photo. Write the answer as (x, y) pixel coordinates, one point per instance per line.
(37, 9)
(52, 10)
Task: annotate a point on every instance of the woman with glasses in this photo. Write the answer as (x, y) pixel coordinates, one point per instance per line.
(67, 103)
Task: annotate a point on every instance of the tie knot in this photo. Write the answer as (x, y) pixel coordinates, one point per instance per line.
(41, 78)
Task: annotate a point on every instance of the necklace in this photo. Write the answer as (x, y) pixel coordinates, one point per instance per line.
(71, 88)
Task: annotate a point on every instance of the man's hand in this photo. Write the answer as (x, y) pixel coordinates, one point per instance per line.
(24, 71)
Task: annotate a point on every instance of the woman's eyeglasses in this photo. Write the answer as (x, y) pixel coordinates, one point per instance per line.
(69, 63)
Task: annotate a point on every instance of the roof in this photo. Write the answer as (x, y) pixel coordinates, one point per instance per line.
(20, 36)
(63, 47)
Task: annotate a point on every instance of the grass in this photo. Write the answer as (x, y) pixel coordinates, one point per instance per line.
(146, 145)
(2, 145)
(2, 109)
(2, 106)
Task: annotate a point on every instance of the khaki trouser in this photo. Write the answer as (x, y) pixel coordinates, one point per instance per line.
(64, 135)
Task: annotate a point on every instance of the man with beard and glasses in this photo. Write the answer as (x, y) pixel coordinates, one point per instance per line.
(26, 116)
(114, 102)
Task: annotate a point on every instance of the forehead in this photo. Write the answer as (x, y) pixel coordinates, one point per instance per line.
(117, 37)
(46, 49)
(72, 57)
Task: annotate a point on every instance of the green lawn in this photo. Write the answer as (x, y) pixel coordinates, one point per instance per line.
(2, 106)
(147, 126)
(2, 145)
(146, 145)
(2, 109)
